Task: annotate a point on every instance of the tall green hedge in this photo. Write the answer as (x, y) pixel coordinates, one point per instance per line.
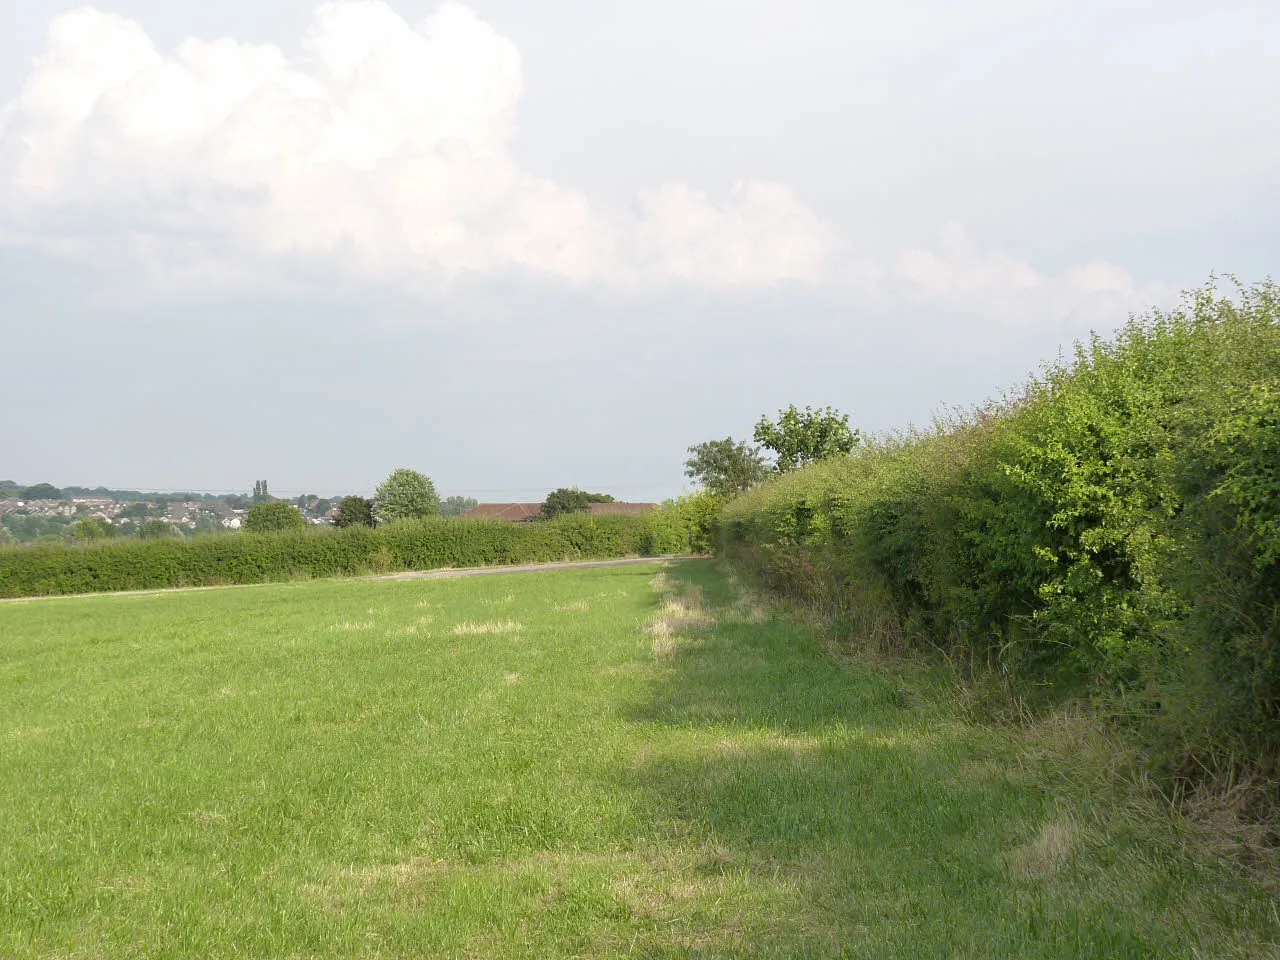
(327, 552)
(1113, 530)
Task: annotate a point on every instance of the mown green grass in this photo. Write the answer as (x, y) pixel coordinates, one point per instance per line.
(546, 765)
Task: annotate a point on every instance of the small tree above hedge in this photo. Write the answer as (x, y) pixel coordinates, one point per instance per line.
(92, 528)
(354, 511)
(269, 517)
(156, 530)
(566, 500)
(406, 495)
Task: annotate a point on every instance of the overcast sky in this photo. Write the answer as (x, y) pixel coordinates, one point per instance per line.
(519, 246)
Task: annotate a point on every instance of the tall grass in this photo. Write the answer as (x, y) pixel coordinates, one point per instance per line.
(1112, 530)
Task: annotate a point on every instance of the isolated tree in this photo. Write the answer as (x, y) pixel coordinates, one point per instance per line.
(156, 530)
(354, 512)
(92, 528)
(806, 436)
(260, 493)
(457, 506)
(406, 495)
(273, 517)
(571, 500)
(726, 467)
(42, 491)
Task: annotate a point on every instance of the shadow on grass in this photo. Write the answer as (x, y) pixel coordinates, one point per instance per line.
(863, 821)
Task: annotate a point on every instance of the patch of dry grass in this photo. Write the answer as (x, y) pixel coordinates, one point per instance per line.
(470, 629)
(1050, 850)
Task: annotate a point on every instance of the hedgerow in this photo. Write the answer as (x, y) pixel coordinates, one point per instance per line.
(1113, 530)
(328, 552)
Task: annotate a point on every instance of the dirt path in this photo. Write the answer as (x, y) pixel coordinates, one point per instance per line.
(444, 574)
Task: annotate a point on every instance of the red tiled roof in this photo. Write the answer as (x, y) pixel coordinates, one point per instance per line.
(515, 512)
(518, 512)
(611, 509)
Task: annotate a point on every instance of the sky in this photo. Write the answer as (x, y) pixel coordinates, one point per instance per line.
(521, 246)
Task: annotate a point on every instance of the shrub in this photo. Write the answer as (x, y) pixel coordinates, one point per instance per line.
(1111, 530)
(406, 495)
(354, 511)
(313, 552)
(157, 530)
(570, 500)
(92, 528)
(269, 517)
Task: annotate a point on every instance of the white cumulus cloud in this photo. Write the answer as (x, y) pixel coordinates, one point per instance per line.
(384, 146)
(962, 275)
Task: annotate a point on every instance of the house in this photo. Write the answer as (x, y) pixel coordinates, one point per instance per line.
(515, 512)
(523, 512)
(614, 509)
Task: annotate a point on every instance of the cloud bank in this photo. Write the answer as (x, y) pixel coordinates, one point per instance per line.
(383, 145)
(383, 151)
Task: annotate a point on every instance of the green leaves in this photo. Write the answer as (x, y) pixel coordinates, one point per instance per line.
(1117, 526)
(568, 500)
(805, 436)
(725, 467)
(273, 517)
(406, 495)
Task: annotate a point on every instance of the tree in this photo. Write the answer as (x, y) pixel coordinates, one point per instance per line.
(138, 510)
(7, 539)
(93, 529)
(571, 500)
(806, 436)
(354, 512)
(272, 517)
(260, 494)
(726, 467)
(406, 495)
(156, 530)
(457, 506)
(42, 491)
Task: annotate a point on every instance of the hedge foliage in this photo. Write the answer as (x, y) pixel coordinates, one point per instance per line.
(328, 552)
(1114, 529)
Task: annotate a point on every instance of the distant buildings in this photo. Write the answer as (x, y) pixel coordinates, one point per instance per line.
(524, 512)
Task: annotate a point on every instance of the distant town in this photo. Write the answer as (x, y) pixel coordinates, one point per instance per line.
(45, 513)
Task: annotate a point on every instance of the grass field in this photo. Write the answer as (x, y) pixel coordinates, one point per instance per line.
(632, 761)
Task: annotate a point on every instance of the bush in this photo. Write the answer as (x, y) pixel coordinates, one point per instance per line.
(157, 530)
(570, 500)
(269, 517)
(406, 495)
(354, 512)
(92, 528)
(131, 564)
(1112, 530)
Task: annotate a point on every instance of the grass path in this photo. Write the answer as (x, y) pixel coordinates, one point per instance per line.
(630, 761)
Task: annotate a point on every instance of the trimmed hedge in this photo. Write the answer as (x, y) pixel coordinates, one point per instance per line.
(1114, 531)
(327, 552)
